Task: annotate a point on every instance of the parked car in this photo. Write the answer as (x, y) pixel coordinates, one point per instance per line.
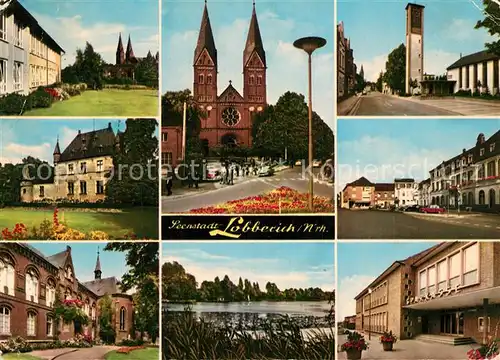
(316, 163)
(213, 171)
(433, 209)
(266, 170)
(412, 208)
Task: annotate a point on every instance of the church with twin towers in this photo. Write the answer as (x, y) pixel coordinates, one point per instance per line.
(229, 115)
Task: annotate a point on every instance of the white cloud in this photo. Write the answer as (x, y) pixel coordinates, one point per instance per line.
(253, 269)
(436, 61)
(287, 66)
(348, 288)
(72, 33)
(373, 67)
(463, 30)
(382, 159)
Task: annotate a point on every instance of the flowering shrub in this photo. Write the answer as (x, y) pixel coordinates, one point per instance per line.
(127, 349)
(355, 341)
(485, 352)
(388, 337)
(71, 310)
(17, 344)
(55, 230)
(283, 199)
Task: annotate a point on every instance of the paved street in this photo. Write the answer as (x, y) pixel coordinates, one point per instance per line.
(376, 103)
(376, 224)
(93, 353)
(411, 350)
(245, 187)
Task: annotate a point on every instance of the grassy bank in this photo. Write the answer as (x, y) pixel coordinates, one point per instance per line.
(186, 338)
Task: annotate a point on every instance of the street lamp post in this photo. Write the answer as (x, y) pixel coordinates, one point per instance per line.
(370, 315)
(309, 44)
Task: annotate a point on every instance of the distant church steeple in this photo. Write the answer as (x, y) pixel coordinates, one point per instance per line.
(130, 56)
(97, 271)
(254, 40)
(120, 52)
(57, 152)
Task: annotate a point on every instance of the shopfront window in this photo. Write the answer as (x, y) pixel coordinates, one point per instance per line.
(471, 260)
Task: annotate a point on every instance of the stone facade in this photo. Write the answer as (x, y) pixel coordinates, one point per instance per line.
(447, 290)
(406, 191)
(414, 47)
(30, 283)
(80, 171)
(346, 68)
(229, 115)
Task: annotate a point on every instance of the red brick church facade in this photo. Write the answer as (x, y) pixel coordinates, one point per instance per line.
(29, 284)
(229, 115)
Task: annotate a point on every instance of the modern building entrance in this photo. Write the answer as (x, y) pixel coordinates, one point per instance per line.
(452, 323)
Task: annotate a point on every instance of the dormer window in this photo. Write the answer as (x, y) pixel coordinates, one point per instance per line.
(492, 147)
(84, 141)
(469, 159)
(100, 148)
(481, 152)
(69, 273)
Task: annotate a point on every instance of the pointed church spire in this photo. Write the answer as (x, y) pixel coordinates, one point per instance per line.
(120, 52)
(205, 39)
(57, 150)
(130, 52)
(254, 40)
(97, 271)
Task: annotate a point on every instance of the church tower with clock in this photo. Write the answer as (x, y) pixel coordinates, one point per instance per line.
(229, 115)
(414, 46)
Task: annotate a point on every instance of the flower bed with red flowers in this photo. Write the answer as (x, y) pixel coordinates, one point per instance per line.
(128, 349)
(388, 337)
(355, 341)
(281, 200)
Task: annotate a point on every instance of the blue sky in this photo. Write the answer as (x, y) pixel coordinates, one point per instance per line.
(22, 137)
(352, 278)
(377, 27)
(84, 257)
(73, 22)
(281, 23)
(384, 149)
(287, 264)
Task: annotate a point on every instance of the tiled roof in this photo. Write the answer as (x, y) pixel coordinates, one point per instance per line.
(106, 286)
(91, 144)
(206, 39)
(362, 181)
(58, 259)
(254, 41)
(471, 59)
(384, 186)
(404, 180)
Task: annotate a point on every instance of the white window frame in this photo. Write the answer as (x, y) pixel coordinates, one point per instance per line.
(18, 30)
(7, 277)
(51, 295)
(50, 321)
(31, 324)
(5, 320)
(4, 26)
(17, 71)
(3, 76)
(31, 286)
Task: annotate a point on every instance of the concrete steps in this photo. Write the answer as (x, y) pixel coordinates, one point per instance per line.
(449, 340)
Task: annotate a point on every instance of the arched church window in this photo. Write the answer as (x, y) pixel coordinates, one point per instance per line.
(251, 80)
(259, 80)
(209, 78)
(122, 318)
(200, 79)
(230, 116)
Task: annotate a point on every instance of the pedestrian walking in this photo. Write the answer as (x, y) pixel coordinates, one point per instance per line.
(169, 183)
(232, 176)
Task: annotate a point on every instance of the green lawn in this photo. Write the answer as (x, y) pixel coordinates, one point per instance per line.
(16, 356)
(107, 102)
(141, 221)
(141, 354)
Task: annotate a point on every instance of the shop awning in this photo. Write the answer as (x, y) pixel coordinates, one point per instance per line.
(459, 300)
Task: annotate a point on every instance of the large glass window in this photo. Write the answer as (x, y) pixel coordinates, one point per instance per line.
(31, 286)
(31, 324)
(423, 283)
(432, 280)
(454, 266)
(4, 320)
(442, 275)
(470, 260)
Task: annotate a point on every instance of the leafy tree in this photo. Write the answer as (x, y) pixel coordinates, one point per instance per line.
(360, 83)
(491, 24)
(395, 67)
(143, 261)
(146, 72)
(135, 164)
(380, 81)
(106, 329)
(179, 285)
(88, 68)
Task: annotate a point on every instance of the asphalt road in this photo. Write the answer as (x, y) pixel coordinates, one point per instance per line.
(373, 224)
(376, 103)
(248, 187)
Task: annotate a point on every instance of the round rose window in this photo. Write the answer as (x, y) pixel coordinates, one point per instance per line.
(230, 116)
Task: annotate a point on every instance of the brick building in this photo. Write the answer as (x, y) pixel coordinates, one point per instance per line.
(471, 178)
(362, 193)
(80, 171)
(384, 194)
(229, 115)
(448, 293)
(171, 145)
(31, 281)
(346, 68)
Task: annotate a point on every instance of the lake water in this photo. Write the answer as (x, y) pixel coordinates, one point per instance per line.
(292, 308)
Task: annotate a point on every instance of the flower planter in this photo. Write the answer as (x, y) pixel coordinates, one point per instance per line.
(353, 354)
(387, 346)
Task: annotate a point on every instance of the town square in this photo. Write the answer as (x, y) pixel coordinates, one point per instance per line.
(400, 180)
(262, 150)
(423, 61)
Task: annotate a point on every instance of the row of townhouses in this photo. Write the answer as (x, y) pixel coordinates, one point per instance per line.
(29, 57)
(471, 179)
(346, 68)
(449, 293)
